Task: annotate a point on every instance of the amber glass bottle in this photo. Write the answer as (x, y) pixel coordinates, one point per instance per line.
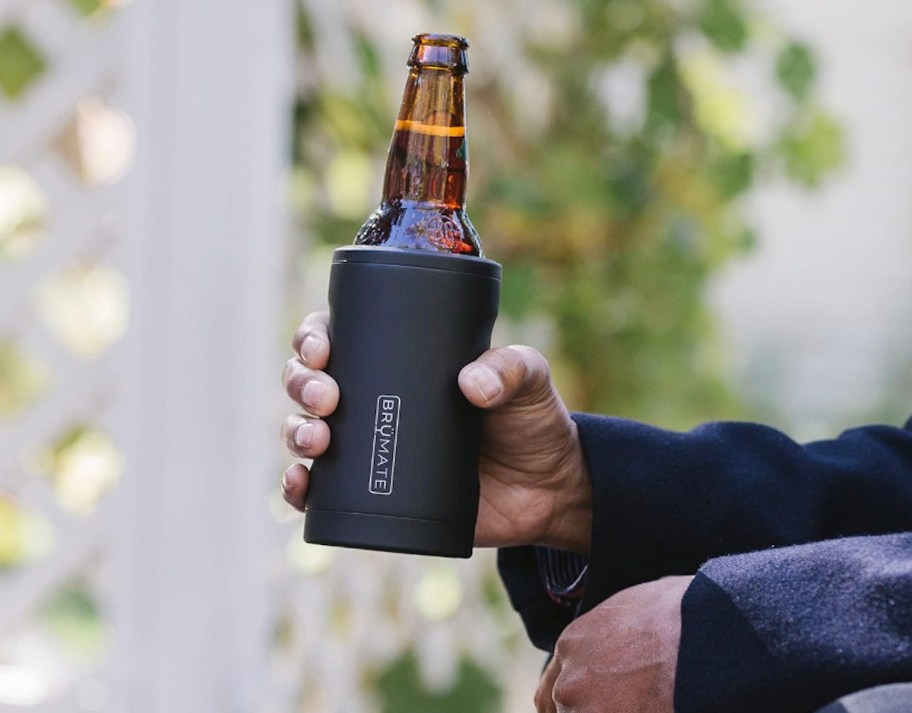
(423, 202)
(410, 305)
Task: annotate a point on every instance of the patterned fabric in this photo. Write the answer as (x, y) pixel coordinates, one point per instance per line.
(563, 574)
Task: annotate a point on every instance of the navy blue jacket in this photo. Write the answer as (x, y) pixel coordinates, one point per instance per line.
(803, 556)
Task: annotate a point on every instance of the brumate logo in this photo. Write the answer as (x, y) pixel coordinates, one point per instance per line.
(383, 453)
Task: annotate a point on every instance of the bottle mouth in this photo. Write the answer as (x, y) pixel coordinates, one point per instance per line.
(429, 38)
(440, 52)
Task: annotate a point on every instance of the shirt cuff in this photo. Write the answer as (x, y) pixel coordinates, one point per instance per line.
(563, 574)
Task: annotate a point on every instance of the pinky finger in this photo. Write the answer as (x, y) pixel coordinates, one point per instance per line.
(294, 485)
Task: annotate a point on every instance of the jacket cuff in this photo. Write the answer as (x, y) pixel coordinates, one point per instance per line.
(544, 619)
(639, 507)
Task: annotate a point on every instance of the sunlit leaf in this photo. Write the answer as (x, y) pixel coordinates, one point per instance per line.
(86, 307)
(97, 142)
(82, 465)
(307, 558)
(812, 148)
(23, 213)
(350, 185)
(438, 592)
(25, 536)
(719, 107)
(24, 378)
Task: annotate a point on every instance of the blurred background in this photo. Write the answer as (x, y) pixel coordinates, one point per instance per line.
(702, 208)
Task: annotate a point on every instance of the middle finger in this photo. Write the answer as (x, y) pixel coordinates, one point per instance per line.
(315, 391)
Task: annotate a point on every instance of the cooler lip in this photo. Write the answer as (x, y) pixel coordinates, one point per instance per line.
(372, 254)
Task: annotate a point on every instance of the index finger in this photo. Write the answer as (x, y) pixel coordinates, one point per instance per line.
(544, 696)
(311, 340)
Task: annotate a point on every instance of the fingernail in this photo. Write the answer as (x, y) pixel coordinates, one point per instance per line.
(286, 480)
(304, 435)
(309, 347)
(486, 381)
(312, 393)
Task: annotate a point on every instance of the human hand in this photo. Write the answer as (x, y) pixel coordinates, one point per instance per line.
(620, 657)
(534, 486)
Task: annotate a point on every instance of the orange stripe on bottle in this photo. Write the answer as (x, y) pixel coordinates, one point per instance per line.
(429, 129)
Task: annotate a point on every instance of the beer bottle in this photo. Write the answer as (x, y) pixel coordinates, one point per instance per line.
(423, 202)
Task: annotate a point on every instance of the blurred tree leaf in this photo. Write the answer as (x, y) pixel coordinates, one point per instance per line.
(21, 62)
(518, 294)
(25, 535)
(304, 27)
(665, 94)
(23, 379)
(401, 690)
(795, 70)
(611, 231)
(724, 24)
(734, 174)
(72, 614)
(368, 58)
(812, 147)
(87, 7)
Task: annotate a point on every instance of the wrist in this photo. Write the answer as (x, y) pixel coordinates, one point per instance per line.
(570, 525)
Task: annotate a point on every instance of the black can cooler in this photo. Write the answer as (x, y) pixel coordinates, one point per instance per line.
(401, 471)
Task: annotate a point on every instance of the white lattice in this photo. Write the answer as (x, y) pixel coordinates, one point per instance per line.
(83, 59)
(209, 600)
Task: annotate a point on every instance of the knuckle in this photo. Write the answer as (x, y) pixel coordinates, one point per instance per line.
(563, 692)
(288, 371)
(566, 643)
(315, 324)
(535, 363)
(508, 365)
(288, 431)
(297, 339)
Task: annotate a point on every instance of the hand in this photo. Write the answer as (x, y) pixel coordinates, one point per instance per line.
(534, 483)
(620, 657)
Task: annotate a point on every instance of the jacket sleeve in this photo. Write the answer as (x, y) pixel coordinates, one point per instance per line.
(666, 502)
(790, 630)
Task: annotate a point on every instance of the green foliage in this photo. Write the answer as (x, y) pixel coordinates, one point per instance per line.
(724, 24)
(812, 146)
(73, 616)
(795, 70)
(87, 7)
(23, 379)
(609, 227)
(401, 690)
(21, 62)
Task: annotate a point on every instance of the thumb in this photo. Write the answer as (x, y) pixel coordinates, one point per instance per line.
(514, 373)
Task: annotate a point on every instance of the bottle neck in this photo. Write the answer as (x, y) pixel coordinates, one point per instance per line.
(428, 158)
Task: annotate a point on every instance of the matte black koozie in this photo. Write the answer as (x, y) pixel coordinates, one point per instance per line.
(401, 471)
